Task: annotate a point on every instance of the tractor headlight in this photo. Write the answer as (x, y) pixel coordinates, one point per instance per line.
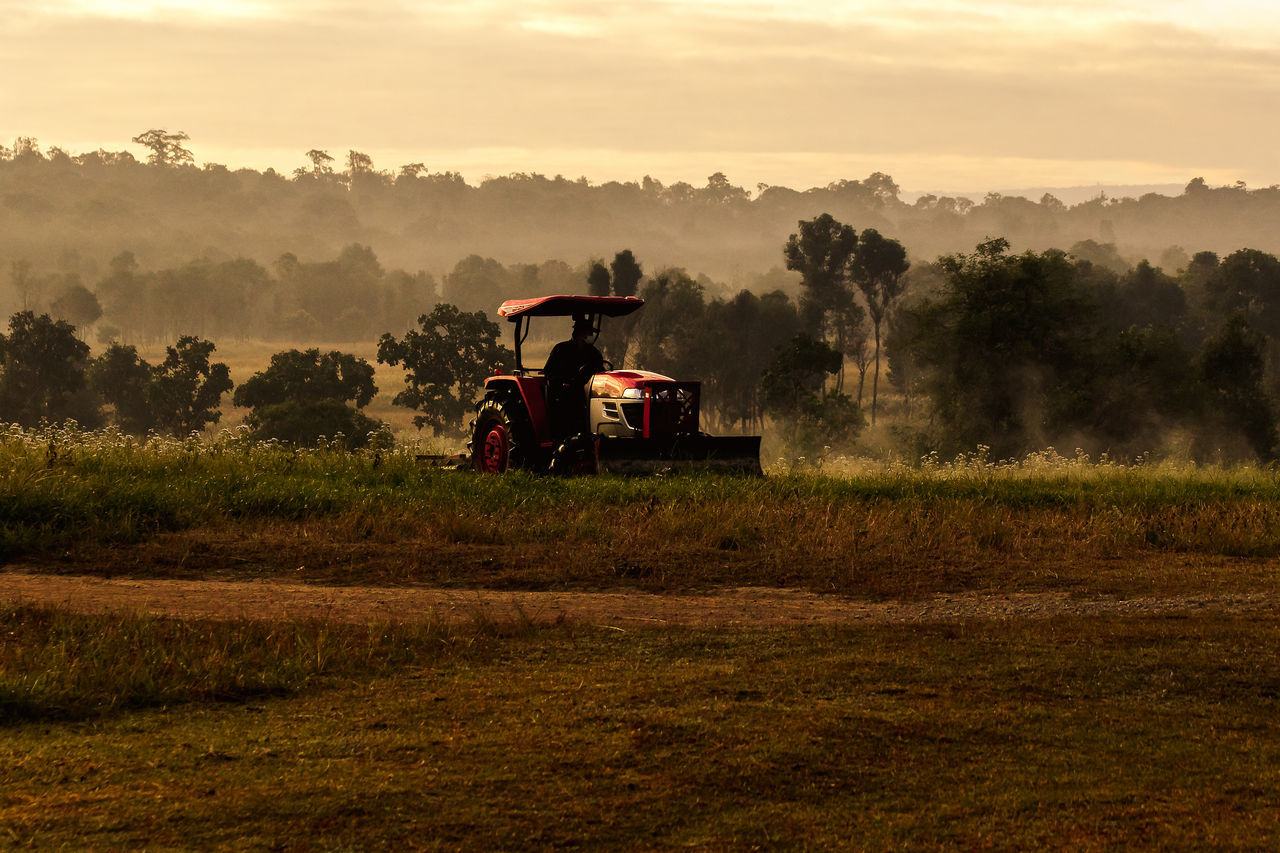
(632, 394)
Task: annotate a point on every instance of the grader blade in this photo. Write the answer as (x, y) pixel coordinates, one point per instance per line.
(738, 454)
(454, 462)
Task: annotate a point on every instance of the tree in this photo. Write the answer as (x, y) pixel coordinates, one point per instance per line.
(25, 285)
(321, 162)
(123, 381)
(598, 280)
(309, 376)
(332, 293)
(42, 367)
(307, 423)
(669, 334)
(626, 273)
(121, 295)
(821, 252)
(797, 374)
(238, 298)
(1146, 296)
(1248, 282)
(853, 340)
(1006, 351)
(27, 146)
(740, 337)
(1101, 254)
(358, 163)
(476, 283)
(1231, 369)
(186, 389)
(877, 267)
(1145, 389)
(77, 305)
(793, 391)
(623, 278)
(166, 148)
(302, 396)
(720, 191)
(884, 189)
(446, 363)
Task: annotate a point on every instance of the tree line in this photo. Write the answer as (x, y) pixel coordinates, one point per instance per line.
(1012, 351)
(48, 376)
(989, 348)
(1017, 351)
(349, 298)
(73, 212)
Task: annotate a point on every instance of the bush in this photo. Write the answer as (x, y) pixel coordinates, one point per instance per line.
(306, 422)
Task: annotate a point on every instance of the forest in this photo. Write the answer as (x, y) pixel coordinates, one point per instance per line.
(1118, 326)
(71, 213)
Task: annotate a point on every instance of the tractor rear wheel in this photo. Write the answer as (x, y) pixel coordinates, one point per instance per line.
(500, 436)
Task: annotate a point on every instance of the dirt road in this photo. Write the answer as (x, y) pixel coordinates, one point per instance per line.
(727, 607)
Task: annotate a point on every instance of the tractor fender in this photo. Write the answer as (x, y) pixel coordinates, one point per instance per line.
(531, 390)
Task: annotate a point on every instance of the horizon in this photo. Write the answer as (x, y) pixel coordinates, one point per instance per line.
(938, 94)
(1069, 194)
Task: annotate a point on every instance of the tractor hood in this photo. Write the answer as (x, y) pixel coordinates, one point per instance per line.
(616, 383)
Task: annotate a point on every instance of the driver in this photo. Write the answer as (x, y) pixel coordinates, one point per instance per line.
(570, 366)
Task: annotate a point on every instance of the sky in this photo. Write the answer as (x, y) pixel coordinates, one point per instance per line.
(943, 95)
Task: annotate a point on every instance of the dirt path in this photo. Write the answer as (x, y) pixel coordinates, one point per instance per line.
(726, 607)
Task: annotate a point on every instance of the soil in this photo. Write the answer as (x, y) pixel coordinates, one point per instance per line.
(743, 607)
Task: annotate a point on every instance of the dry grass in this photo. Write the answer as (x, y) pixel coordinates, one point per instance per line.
(59, 665)
(1077, 733)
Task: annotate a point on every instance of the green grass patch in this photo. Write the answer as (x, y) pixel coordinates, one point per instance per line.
(383, 517)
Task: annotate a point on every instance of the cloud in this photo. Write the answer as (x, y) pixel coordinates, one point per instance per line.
(937, 86)
(145, 10)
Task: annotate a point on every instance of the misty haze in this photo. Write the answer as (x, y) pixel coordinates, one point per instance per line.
(684, 424)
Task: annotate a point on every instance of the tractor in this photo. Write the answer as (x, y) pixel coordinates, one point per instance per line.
(623, 421)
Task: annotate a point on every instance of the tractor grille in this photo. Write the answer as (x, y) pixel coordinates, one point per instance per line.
(633, 414)
(673, 407)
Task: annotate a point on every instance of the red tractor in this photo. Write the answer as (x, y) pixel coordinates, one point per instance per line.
(614, 421)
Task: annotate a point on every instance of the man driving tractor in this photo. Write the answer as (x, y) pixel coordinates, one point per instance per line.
(569, 368)
(628, 421)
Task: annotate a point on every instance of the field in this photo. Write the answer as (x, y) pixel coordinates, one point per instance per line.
(1128, 700)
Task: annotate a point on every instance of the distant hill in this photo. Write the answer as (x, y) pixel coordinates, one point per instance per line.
(1066, 195)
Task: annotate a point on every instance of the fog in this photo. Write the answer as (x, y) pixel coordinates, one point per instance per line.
(345, 250)
(70, 213)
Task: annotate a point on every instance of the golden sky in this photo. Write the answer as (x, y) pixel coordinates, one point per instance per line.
(955, 96)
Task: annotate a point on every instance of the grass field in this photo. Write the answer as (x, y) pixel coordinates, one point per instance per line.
(110, 504)
(1071, 732)
(1075, 733)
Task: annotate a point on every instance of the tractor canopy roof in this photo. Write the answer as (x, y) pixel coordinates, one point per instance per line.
(568, 306)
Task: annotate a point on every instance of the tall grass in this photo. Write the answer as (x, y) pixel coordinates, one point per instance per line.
(842, 527)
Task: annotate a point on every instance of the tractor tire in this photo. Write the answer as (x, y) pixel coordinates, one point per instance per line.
(500, 435)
